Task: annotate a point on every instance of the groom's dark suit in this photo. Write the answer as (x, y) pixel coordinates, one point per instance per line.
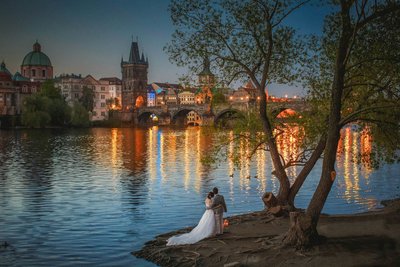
(219, 212)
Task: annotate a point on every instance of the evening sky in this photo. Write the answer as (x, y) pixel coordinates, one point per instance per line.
(90, 36)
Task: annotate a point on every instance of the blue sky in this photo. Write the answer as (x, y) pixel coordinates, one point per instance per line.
(90, 36)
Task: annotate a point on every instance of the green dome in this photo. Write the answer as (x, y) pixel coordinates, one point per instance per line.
(36, 57)
(19, 78)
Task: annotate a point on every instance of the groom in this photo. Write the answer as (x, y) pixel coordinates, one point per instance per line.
(219, 207)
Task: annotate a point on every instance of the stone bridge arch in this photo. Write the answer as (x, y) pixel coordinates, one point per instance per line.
(180, 115)
(229, 113)
(284, 112)
(145, 117)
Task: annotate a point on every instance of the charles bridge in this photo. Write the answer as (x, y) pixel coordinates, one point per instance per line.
(207, 115)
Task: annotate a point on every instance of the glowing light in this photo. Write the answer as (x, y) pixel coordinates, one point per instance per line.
(286, 114)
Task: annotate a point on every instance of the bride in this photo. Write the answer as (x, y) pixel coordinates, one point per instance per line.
(204, 229)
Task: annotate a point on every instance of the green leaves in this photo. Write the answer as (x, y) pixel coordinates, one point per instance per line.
(242, 38)
(45, 108)
(87, 98)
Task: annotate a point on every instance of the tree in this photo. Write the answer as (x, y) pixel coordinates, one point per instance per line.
(50, 91)
(248, 39)
(113, 103)
(79, 116)
(45, 108)
(245, 39)
(87, 98)
(358, 74)
(218, 98)
(34, 111)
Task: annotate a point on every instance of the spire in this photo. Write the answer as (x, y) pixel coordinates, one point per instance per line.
(206, 67)
(134, 56)
(36, 46)
(142, 59)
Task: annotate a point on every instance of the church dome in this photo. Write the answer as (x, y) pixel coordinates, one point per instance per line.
(19, 78)
(36, 57)
(5, 75)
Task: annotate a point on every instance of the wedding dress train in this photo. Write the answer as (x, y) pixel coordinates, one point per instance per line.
(205, 228)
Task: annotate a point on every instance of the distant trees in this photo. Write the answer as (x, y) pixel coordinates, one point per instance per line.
(48, 108)
(79, 116)
(87, 98)
(113, 103)
(35, 111)
(218, 98)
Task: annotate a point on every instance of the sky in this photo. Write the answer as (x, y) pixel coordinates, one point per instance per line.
(90, 36)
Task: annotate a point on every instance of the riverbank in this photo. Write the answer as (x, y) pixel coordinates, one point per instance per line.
(367, 239)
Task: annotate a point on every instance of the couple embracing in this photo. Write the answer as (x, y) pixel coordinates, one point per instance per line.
(210, 224)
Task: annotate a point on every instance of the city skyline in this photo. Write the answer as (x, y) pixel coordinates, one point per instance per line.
(91, 37)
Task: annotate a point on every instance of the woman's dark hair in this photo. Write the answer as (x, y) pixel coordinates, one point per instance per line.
(210, 195)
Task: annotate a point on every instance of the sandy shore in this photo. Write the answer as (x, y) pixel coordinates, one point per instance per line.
(368, 239)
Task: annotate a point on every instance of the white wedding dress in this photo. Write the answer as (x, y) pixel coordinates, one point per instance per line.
(205, 228)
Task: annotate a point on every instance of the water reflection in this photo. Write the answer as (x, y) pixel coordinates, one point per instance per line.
(114, 189)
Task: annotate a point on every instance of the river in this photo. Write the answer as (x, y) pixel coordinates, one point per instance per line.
(88, 197)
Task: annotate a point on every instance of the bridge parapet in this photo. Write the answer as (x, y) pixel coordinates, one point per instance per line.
(173, 109)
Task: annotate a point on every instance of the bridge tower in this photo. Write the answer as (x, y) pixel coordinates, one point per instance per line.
(134, 79)
(206, 82)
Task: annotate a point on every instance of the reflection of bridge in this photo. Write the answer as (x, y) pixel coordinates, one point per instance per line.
(177, 114)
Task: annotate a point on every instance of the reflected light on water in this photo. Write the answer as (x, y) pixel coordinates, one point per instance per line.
(114, 189)
(352, 145)
(366, 149)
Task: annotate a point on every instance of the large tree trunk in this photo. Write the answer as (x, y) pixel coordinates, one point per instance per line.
(279, 171)
(303, 230)
(305, 171)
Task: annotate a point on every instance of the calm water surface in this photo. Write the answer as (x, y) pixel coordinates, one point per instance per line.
(89, 197)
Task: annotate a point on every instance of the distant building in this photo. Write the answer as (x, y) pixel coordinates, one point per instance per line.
(35, 69)
(187, 98)
(13, 90)
(114, 88)
(134, 79)
(70, 86)
(8, 92)
(193, 118)
(107, 92)
(246, 94)
(166, 93)
(36, 65)
(151, 96)
(25, 88)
